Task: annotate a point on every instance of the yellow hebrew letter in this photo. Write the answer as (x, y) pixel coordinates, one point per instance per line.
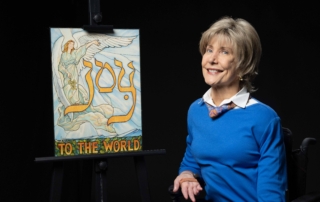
(131, 89)
(108, 67)
(80, 108)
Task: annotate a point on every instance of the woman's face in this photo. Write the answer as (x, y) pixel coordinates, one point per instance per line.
(70, 45)
(219, 64)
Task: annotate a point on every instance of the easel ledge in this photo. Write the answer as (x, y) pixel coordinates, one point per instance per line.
(100, 156)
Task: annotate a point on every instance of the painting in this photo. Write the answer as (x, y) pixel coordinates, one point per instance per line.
(96, 91)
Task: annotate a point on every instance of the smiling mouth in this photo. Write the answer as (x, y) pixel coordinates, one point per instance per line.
(214, 71)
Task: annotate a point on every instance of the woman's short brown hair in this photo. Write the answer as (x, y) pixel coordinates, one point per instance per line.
(246, 42)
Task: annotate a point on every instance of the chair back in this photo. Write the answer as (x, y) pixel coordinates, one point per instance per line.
(287, 134)
(297, 161)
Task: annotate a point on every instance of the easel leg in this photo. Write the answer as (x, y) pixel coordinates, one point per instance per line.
(99, 181)
(56, 182)
(141, 171)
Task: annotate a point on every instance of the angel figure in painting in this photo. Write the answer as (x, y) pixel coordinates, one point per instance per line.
(69, 51)
(70, 58)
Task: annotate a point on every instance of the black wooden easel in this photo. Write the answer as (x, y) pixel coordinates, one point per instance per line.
(95, 19)
(99, 179)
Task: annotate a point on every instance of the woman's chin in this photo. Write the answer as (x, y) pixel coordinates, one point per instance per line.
(212, 83)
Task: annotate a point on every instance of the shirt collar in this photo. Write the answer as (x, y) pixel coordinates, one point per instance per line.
(240, 99)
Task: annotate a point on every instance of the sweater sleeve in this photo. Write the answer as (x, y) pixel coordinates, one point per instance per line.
(272, 170)
(188, 162)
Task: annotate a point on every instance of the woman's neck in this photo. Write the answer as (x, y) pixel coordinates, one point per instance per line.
(220, 94)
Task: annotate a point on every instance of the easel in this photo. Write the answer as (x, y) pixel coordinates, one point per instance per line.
(99, 179)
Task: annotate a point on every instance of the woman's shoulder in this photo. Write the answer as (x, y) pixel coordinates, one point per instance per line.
(261, 109)
(197, 103)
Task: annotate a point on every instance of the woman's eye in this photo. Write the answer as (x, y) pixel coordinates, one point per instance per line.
(225, 52)
(209, 50)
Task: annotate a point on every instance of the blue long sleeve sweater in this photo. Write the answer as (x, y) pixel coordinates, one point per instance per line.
(240, 155)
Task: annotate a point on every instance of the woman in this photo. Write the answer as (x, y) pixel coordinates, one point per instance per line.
(237, 149)
(70, 57)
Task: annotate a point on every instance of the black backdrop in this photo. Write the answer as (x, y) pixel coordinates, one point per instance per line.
(171, 79)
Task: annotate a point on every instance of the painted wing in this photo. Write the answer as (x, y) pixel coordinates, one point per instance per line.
(106, 41)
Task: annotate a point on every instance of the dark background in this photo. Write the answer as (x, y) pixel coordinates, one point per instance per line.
(171, 79)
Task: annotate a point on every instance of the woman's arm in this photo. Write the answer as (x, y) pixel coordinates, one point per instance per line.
(96, 42)
(188, 168)
(81, 51)
(272, 169)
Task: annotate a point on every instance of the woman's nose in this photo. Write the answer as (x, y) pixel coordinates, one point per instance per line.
(213, 58)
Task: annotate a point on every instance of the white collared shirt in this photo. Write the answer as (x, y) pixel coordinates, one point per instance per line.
(240, 99)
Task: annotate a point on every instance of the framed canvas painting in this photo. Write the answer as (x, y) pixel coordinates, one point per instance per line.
(96, 91)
